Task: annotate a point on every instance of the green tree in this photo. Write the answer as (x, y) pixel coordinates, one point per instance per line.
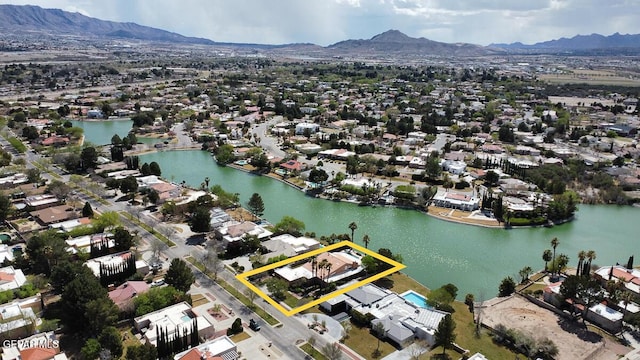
(91, 349)
(87, 210)
(179, 275)
(154, 168)
(45, 250)
(142, 352)
(353, 227)
(78, 293)
(111, 339)
(433, 169)
(33, 175)
(277, 288)
(123, 239)
(5, 207)
(524, 273)
(200, 221)
(100, 313)
(107, 220)
(129, 185)
(157, 298)
(256, 205)
(224, 154)
(379, 331)
(318, 176)
(546, 256)
(445, 333)
(145, 170)
(507, 287)
(89, 158)
(289, 225)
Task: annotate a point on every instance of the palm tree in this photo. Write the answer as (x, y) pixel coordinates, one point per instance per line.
(314, 265)
(546, 256)
(591, 255)
(328, 267)
(353, 226)
(206, 181)
(554, 245)
(581, 256)
(365, 240)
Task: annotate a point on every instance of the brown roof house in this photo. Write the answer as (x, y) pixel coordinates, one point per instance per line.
(124, 294)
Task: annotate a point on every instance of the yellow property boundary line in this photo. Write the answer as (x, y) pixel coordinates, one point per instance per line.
(396, 266)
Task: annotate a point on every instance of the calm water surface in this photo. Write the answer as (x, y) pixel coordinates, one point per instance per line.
(101, 132)
(436, 252)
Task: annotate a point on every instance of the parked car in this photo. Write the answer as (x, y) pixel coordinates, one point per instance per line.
(158, 282)
(253, 325)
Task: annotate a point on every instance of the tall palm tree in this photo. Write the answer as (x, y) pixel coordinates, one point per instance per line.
(314, 265)
(591, 255)
(353, 226)
(365, 240)
(554, 245)
(581, 256)
(328, 267)
(206, 181)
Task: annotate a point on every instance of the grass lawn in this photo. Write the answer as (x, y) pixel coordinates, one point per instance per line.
(313, 352)
(245, 300)
(148, 228)
(364, 343)
(240, 336)
(198, 299)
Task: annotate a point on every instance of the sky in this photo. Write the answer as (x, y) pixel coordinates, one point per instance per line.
(325, 22)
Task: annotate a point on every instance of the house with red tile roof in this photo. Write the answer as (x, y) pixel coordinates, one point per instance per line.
(11, 278)
(124, 294)
(42, 346)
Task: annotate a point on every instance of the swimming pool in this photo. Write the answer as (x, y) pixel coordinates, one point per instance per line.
(415, 298)
(5, 237)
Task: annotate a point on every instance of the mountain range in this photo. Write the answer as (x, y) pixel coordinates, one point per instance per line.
(29, 20)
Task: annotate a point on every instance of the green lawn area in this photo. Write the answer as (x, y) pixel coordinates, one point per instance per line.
(313, 352)
(240, 336)
(16, 143)
(364, 343)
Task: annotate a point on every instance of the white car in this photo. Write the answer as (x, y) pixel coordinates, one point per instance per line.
(158, 282)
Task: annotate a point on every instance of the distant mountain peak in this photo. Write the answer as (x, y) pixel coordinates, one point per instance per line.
(31, 18)
(391, 36)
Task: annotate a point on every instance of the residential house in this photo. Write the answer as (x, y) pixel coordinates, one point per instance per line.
(11, 278)
(289, 245)
(605, 317)
(82, 244)
(18, 318)
(219, 348)
(124, 294)
(456, 201)
(235, 232)
(42, 201)
(178, 317)
(52, 215)
(326, 267)
(115, 260)
(42, 346)
(55, 140)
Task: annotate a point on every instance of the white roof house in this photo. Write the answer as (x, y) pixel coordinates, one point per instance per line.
(11, 278)
(218, 348)
(172, 318)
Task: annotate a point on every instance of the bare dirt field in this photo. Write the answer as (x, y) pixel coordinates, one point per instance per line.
(573, 340)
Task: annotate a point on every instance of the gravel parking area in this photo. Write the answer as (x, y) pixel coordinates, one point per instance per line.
(571, 338)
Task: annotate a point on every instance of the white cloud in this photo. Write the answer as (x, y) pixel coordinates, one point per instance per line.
(328, 21)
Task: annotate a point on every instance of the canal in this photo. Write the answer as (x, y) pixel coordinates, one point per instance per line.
(436, 252)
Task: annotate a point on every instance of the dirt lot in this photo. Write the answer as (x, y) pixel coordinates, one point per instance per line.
(573, 340)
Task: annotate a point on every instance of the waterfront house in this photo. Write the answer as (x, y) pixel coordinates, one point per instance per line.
(341, 265)
(605, 317)
(289, 245)
(456, 201)
(178, 317)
